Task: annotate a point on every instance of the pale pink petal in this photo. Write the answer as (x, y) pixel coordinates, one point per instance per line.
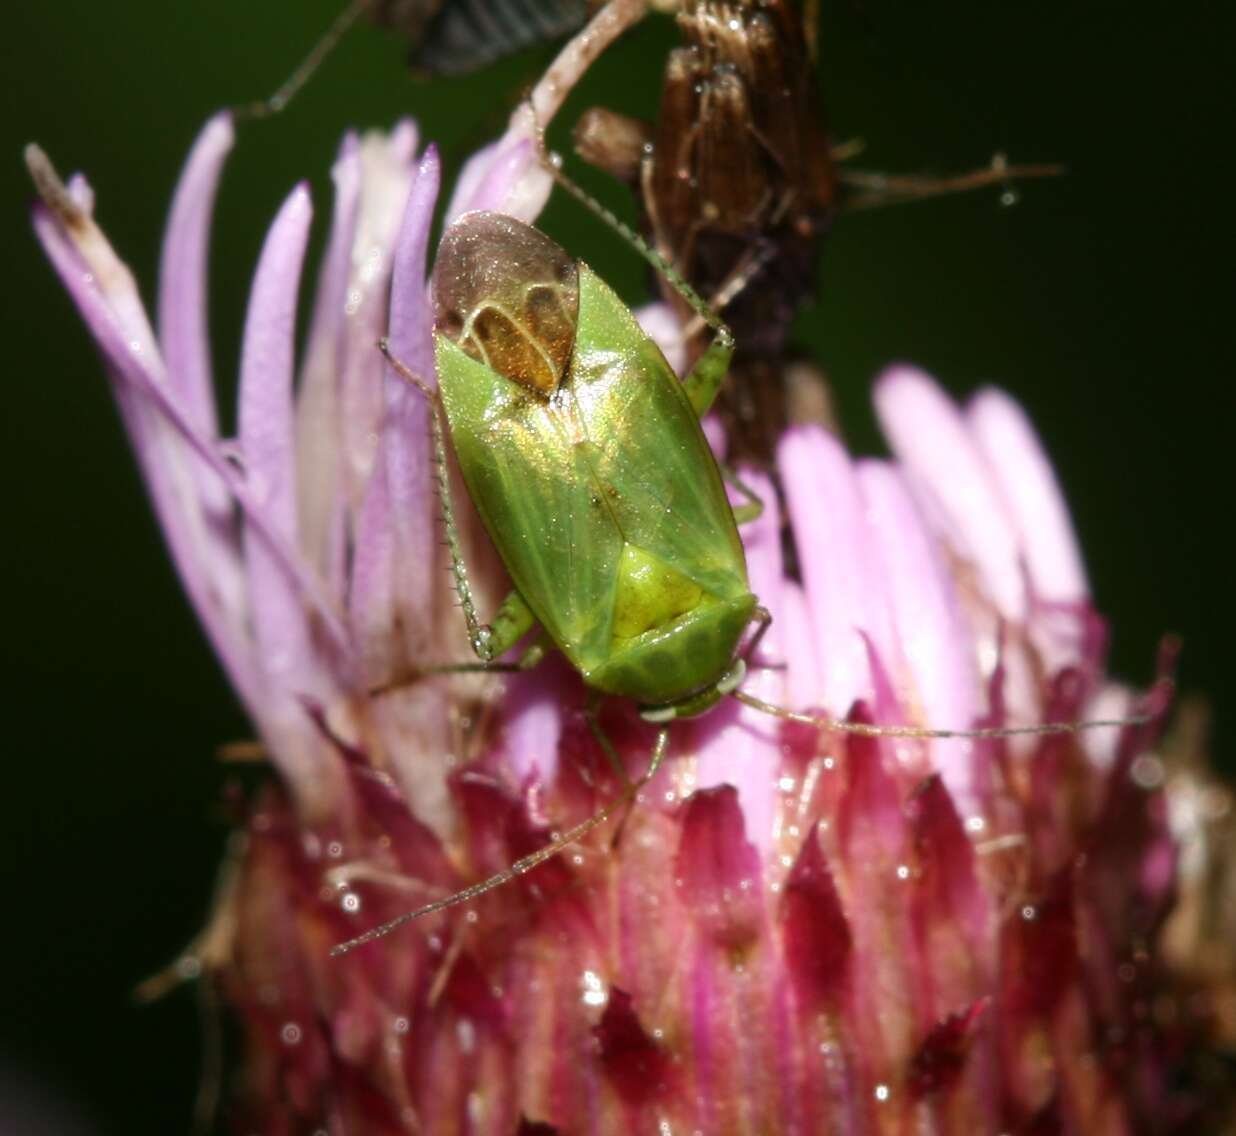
(1032, 496)
(664, 328)
(942, 687)
(738, 745)
(842, 584)
(929, 436)
(506, 176)
(533, 706)
(804, 683)
(1113, 702)
(715, 433)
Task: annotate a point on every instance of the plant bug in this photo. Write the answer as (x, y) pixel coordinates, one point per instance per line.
(584, 456)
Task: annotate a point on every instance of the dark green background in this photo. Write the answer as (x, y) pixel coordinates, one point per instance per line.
(1096, 301)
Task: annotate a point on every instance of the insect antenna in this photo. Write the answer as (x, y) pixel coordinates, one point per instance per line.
(304, 71)
(837, 726)
(520, 867)
(867, 190)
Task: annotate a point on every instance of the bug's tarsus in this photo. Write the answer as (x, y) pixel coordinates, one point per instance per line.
(292, 85)
(754, 507)
(520, 867)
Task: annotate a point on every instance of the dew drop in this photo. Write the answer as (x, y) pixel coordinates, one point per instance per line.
(1147, 771)
(350, 902)
(334, 849)
(188, 967)
(594, 989)
(1009, 197)
(881, 1092)
(903, 873)
(290, 1034)
(401, 1025)
(1029, 913)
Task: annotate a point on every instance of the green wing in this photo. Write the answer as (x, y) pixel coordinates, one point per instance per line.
(651, 461)
(528, 472)
(616, 455)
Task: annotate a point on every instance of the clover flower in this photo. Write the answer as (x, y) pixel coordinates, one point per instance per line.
(798, 931)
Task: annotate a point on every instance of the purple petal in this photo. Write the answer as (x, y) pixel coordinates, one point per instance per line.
(266, 438)
(318, 456)
(183, 330)
(387, 175)
(405, 456)
(509, 175)
(164, 443)
(505, 177)
(1032, 495)
(842, 584)
(662, 325)
(932, 441)
(934, 638)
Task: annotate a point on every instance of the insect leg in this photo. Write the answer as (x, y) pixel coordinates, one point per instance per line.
(514, 618)
(291, 86)
(607, 747)
(710, 369)
(754, 508)
(530, 657)
(520, 867)
(838, 726)
(868, 190)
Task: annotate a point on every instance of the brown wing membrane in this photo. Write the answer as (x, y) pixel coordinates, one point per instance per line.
(509, 296)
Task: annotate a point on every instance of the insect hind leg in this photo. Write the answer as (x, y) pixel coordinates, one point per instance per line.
(520, 867)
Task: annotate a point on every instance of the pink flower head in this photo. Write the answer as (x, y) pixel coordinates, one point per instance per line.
(797, 931)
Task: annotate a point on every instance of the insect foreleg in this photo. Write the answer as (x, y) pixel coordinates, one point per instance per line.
(754, 507)
(565, 840)
(705, 378)
(513, 618)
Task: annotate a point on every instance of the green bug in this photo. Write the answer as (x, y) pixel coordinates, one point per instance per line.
(584, 455)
